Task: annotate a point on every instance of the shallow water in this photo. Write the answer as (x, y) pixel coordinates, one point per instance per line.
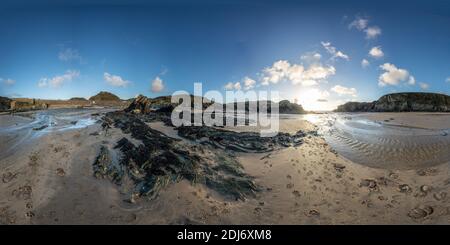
(20, 128)
(385, 144)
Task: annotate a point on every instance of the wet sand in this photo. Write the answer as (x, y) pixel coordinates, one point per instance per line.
(49, 180)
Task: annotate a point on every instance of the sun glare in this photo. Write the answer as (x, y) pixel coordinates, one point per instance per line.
(313, 100)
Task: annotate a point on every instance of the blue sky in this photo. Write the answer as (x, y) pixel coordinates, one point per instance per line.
(310, 51)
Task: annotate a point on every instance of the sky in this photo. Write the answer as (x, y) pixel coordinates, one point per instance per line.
(316, 53)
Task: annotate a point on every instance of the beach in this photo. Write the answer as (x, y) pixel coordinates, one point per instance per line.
(350, 168)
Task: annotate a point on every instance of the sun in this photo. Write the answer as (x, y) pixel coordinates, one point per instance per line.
(313, 99)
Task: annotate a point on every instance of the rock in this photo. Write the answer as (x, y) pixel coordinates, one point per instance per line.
(420, 212)
(144, 105)
(239, 141)
(396, 102)
(40, 128)
(160, 160)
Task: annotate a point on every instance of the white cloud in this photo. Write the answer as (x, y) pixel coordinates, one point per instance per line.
(334, 52)
(231, 86)
(318, 72)
(411, 80)
(341, 90)
(448, 79)
(296, 73)
(376, 52)
(392, 75)
(365, 63)
(249, 83)
(372, 32)
(7, 81)
(157, 85)
(359, 23)
(424, 86)
(276, 73)
(115, 81)
(58, 81)
(311, 57)
(69, 54)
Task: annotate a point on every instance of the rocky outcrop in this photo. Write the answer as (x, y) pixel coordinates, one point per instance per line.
(5, 103)
(398, 102)
(144, 105)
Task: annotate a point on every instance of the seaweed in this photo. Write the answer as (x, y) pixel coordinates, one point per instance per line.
(160, 160)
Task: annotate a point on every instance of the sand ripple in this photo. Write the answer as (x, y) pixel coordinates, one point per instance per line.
(386, 145)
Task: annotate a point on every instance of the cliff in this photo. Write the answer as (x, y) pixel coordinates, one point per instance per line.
(398, 102)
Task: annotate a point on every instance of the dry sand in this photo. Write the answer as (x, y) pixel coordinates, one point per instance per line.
(49, 180)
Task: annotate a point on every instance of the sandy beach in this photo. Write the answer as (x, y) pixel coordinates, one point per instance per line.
(48, 176)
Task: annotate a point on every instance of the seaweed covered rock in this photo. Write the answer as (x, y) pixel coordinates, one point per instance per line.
(104, 167)
(239, 141)
(160, 160)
